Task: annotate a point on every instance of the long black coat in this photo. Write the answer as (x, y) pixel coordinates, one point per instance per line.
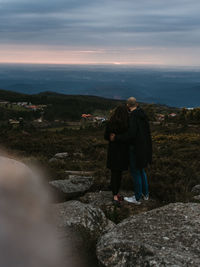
(139, 137)
(117, 153)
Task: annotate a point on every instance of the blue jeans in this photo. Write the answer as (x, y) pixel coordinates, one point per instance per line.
(139, 177)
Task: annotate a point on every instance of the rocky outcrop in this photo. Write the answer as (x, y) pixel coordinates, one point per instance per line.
(72, 187)
(196, 190)
(90, 222)
(167, 236)
(103, 200)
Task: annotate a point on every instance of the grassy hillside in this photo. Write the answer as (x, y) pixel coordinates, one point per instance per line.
(67, 107)
(61, 106)
(176, 144)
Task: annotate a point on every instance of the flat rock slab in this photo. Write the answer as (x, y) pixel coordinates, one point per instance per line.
(98, 199)
(59, 156)
(74, 186)
(62, 155)
(74, 176)
(90, 222)
(86, 173)
(167, 236)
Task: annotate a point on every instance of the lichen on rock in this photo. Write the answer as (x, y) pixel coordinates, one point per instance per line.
(167, 236)
(89, 221)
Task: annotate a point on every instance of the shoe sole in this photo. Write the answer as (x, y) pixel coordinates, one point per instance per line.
(137, 203)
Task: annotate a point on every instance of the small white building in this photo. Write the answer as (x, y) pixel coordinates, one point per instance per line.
(172, 115)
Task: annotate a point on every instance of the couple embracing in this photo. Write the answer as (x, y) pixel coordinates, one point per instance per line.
(130, 145)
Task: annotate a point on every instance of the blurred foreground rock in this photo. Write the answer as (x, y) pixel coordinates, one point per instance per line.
(27, 235)
(167, 236)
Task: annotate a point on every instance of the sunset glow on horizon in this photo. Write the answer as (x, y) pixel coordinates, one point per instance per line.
(60, 55)
(45, 55)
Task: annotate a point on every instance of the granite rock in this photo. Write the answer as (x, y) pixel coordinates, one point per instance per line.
(90, 222)
(74, 186)
(62, 155)
(167, 236)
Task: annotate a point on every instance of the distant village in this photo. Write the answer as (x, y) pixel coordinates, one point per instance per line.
(92, 118)
(26, 105)
(86, 120)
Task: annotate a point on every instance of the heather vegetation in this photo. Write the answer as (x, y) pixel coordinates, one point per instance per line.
(176, 143)
(58, 106)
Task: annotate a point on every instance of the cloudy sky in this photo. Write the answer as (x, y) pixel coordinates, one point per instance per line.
(161, 32)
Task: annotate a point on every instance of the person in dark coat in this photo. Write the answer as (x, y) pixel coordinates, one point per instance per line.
(118, 152)
(140, 149)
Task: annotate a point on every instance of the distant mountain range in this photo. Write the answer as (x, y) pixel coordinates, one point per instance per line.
(172, 87)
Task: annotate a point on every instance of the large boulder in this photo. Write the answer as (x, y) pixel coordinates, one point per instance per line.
(167, 236)
(90, 222)
(73, 186)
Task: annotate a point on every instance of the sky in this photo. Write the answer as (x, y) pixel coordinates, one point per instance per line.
(137, 32)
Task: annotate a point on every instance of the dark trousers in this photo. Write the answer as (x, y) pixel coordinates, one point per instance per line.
(116, 177)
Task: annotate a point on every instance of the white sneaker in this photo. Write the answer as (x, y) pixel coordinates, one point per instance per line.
(145, 198)
(132, 200)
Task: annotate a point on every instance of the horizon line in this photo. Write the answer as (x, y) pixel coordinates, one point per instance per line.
(102, 64)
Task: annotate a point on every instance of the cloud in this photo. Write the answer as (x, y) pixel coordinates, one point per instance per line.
(100, 24)
(40, 7)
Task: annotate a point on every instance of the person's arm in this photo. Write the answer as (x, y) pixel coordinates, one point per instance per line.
(129, 136)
